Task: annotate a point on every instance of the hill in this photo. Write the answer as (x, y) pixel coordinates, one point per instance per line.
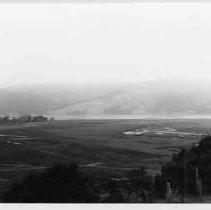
(148, 98)
(42, 98)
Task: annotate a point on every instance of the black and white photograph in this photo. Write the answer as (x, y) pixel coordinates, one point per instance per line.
(105, 102)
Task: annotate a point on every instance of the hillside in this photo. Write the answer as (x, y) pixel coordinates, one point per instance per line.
(42, 98)
(147, 98)
(154, 98)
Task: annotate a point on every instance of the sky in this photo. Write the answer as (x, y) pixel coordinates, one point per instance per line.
(102, 43)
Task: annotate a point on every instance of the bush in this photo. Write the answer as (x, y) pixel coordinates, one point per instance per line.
(159, 188)
(58, 184)
(139, 180)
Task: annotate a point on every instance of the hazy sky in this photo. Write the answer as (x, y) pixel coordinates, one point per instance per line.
(103, 42)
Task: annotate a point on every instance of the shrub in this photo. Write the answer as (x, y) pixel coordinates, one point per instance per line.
(58, 184)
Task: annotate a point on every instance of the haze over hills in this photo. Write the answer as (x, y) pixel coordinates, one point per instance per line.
(158, 97)
(80, 44)
(42, 98)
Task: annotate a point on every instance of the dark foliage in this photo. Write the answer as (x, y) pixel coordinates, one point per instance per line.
(139, 180)
(135, 187)
(159, 186)
(59, 184)
(181, 171)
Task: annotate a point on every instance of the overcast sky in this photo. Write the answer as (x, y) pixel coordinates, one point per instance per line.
(77, 43)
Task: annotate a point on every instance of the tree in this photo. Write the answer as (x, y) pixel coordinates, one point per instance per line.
(197, 157)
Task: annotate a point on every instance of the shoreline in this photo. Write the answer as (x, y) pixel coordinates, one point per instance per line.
(133, 117)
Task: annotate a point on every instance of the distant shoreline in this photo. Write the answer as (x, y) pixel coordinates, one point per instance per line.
(131, 117)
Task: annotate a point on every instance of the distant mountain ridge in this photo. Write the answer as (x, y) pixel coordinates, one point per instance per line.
(147, 98)
(159, 97)
(42, 98)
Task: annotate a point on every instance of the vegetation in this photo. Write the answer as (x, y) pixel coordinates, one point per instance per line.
(105, 184)
(64, 183)
(67, 183)
(60, 183)
(23, 119)
(182, 170)
(135, 187)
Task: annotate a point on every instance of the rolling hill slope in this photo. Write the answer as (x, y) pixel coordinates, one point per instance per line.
(159, 97)
(147, 98)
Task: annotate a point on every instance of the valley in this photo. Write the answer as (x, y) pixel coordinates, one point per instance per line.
(103, 147)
